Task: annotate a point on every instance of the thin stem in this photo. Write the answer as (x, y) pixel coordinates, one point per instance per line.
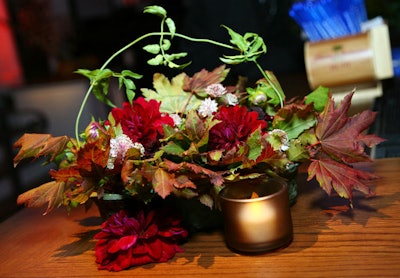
(270, 82)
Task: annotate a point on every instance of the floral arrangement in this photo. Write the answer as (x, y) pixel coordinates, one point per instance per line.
(189, 137)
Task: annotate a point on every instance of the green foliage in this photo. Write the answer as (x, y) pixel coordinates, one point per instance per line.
(100, 79)
(171, 95)
(319, 97)
(251, 46)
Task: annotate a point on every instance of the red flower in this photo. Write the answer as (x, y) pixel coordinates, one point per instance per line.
(126, 241)
(237, 123)
(142, 122)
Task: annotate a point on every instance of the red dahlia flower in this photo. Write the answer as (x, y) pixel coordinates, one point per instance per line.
(127, 241)
(237, 123)
(142, 122)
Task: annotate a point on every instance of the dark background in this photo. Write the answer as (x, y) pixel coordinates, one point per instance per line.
(55, 37)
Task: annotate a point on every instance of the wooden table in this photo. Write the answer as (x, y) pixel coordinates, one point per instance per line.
(364, 242)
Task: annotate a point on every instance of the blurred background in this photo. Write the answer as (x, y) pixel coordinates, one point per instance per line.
(42, 43)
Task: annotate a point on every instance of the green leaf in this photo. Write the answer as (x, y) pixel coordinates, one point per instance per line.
(232, 60)
(173, 148)
(156, 61)
(236, 39)
(296, 125)
(166, 44)
(156, 10)
(171, 26)
(130, 94)
(131, 74)
(101, 91)
(152, 48)
(272, 78)
(103, 74)
(294, 119)
(319, 97)
(129, 84)
(297, 151)
(255, 147)
(171, 95)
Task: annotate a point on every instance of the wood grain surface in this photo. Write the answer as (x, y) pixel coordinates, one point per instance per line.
(328, 242)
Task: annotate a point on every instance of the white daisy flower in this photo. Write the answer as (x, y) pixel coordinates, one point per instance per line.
(118, 148)
(207, 107)
(232, 99)
(283, 138)
(215, 90)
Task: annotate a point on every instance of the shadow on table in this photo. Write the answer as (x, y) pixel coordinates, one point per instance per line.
(84, 241)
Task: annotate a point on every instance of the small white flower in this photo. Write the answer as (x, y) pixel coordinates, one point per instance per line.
(118, 148)
(207, 107)
(215, 90)
(283, 138)
(232, 99)
(140, 147)
(177, 119)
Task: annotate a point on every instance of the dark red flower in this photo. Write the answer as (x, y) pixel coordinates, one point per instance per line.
(126, 241)
(237, 123)
(142, 122)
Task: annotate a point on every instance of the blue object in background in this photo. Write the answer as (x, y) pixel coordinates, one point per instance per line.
(328, 19)
(396, 61)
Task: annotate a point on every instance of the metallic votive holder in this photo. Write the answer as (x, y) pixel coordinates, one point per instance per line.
(256, 225)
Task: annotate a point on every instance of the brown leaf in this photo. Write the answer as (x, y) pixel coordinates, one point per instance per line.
(163, 182)
(183, 181)
(202, 79)
(50, 193)
(35, 145)
(216, 178)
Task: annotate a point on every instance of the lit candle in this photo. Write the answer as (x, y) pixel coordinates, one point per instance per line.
(256, 215)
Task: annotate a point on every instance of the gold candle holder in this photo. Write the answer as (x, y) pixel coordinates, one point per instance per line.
(256, 215)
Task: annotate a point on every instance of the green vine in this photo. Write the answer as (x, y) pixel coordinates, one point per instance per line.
(250, 47)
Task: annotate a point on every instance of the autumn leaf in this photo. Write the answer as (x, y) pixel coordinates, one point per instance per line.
(163, 182)
(340, 136)
(183, 181)
(65, 174)
(50, 193)
(201, 80)
(90, 155)
(339, 177)
(216, 178)
(36, 145)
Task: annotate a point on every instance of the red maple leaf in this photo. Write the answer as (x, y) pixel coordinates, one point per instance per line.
(342, 137)
(341, 142)
(340, 177)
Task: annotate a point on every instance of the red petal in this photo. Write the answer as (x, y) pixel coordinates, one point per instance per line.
(123, 243)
